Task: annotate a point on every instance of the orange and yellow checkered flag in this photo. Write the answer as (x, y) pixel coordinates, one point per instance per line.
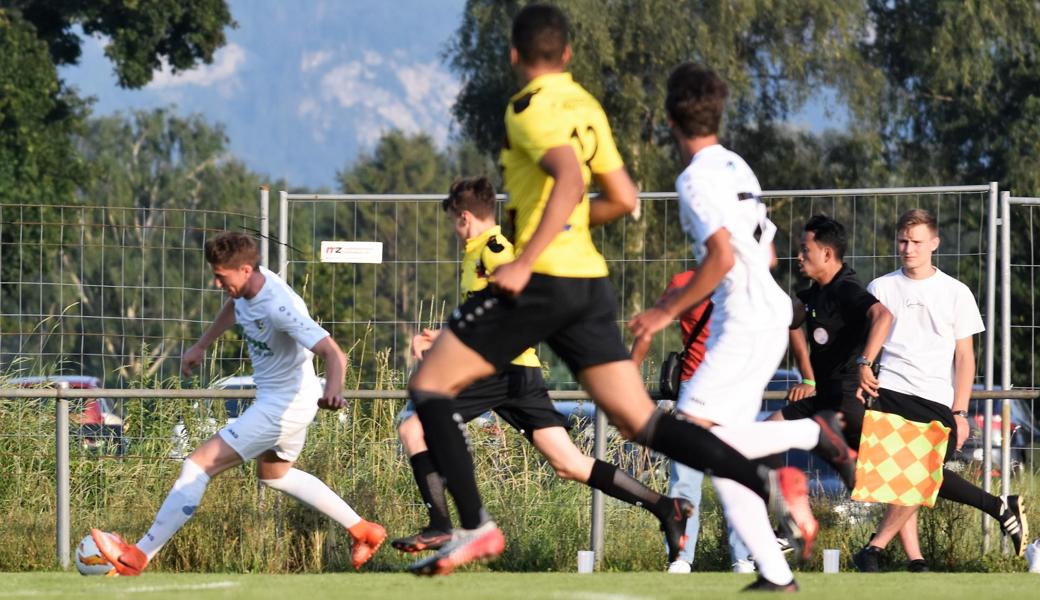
(900, 461)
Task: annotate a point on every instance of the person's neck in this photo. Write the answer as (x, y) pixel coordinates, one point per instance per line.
(254, 285)
(689, 147)
(830, 272)
(529, 73)
(922, 272)
(477, 228)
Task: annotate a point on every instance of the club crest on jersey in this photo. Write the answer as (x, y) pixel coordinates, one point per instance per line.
(821, 336)
(260, 324)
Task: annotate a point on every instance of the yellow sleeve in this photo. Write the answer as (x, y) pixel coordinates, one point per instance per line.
(498, 251)
(606, 158)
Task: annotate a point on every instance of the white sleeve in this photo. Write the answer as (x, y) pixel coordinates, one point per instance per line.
(968, 318)
(298, 324)
(876, 291)
(708, 206)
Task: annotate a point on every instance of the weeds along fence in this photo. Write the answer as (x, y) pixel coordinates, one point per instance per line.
(139, 280)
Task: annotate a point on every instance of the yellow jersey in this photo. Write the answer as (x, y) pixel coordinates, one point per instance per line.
(484, 253)
(552, 111)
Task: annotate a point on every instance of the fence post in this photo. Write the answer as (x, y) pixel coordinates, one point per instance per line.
(991, 326)
(265, 225)
(283, 234)
(599, 451)
(1005, 350)
(61, 475)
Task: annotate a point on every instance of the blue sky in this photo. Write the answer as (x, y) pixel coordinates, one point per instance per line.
(303, 86)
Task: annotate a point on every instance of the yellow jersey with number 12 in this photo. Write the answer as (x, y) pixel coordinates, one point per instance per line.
(552, 111)
(484, 253)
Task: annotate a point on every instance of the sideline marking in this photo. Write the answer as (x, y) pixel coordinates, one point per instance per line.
(146, 589)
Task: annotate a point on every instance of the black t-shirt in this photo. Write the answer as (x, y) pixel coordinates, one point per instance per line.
(837, 326)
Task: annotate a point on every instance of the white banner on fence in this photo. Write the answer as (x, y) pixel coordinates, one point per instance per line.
(352, 252)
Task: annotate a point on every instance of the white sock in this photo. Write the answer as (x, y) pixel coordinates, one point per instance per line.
(765, 438)
(747, 513)
(314, 493)
(178, 507)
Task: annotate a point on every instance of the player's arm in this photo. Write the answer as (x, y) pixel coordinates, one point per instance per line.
(422, 342)
(718, 260)
(963, 377)
(560, 163)
(800, 351)
(335, 371)
(880, 326)
(194, 355)
(618, 197)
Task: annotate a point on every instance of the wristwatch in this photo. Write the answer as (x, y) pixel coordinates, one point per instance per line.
(960, 413)
(863, 361)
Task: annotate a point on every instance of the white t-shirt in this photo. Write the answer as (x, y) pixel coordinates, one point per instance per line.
(930, 316)
(718, 189)
(279, 333)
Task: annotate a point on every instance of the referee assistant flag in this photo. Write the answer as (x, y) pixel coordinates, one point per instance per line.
(900, 461)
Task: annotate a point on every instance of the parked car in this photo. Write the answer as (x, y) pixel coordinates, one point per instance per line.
(99, 424)
(972, 454)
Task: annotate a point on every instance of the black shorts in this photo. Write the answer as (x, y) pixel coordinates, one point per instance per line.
(516, 394)
(839, 397)
(577, 317)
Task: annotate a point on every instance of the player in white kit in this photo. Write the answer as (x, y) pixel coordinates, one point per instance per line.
(282, 340)
(720, 211)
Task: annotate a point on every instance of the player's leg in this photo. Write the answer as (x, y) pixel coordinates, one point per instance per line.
(212, 457)
(686, 483)
(570, 463)
(748, 516)
(431, 489)
(275, 469)
(908, 537)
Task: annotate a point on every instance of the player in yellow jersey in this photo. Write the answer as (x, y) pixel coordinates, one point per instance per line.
(517, 393)
(557, 141)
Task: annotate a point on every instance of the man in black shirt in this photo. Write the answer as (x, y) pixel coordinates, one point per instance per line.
(847, 327)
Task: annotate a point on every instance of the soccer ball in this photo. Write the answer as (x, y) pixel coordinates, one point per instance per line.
(89, 560)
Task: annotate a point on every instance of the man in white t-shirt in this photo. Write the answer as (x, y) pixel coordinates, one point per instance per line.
(720, 211)
(282, 340)
(927, 370)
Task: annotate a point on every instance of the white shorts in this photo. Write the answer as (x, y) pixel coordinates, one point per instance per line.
(727, 387)
(261, 428)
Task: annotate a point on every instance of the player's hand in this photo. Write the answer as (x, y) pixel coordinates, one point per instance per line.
(647, 323)
(332, 397)
(422, 342)
(511, 278)
(191, 359)
(962, 430)
(800, 391)
(868, 384)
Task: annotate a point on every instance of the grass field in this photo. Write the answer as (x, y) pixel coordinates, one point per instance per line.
(521, 586)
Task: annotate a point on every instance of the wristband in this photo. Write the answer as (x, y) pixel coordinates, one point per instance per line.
(809, 382)
(960, 413)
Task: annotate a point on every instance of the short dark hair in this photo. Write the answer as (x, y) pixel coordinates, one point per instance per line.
(696, 99)
(231, 250)
(475, 194)
(828, 232)
(917, 216)
(540, 34)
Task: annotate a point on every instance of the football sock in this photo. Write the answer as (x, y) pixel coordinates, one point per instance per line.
(765, 438)
(431, 488)
(956, 488)
(314, 493)
(448, 443)
(616, 483)
(748, 516)
(698, 448)
(179, 506)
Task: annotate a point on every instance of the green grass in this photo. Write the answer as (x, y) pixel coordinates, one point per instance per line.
(521, 586)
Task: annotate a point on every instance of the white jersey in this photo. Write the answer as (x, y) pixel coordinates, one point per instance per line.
(279, 333)
(930, 316)
(718, 189)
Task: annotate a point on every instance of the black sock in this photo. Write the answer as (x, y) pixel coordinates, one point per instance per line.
(956, 488)
(431, 488)
(448, 443)
(614, 482)
(700, 449)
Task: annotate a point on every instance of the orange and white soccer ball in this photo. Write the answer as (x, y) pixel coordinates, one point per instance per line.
(89, 560)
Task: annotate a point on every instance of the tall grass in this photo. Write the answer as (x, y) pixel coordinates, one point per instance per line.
(243, 527)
